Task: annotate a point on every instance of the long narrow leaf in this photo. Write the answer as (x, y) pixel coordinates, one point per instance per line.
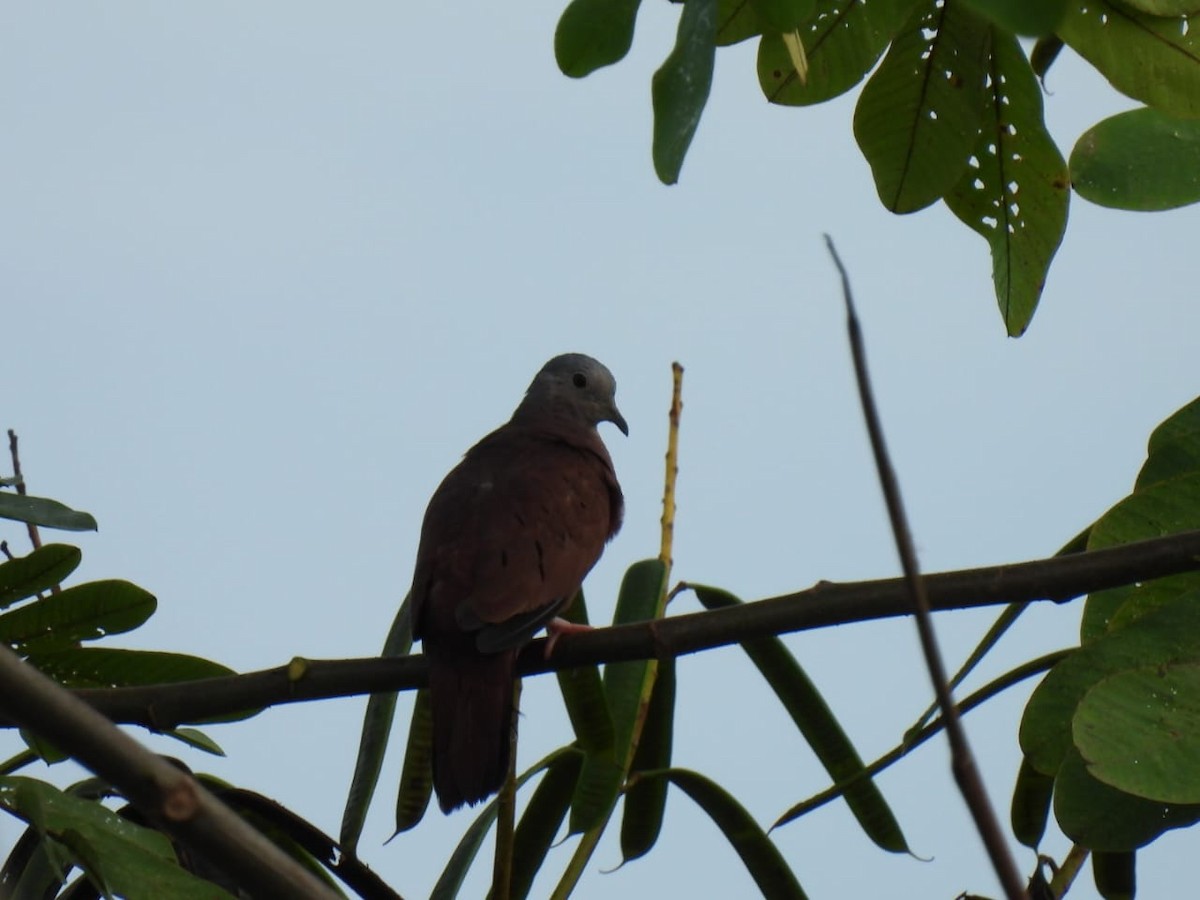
(819, 726)
(452, 877)
(761, 857)
(646, 799)
(542, 818)
(416, 775)
(377, 725)
(44, 512)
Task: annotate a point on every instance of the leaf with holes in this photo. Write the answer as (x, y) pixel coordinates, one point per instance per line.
(1015, 193)
(918, 116)
(842, 42)
(1150, 58)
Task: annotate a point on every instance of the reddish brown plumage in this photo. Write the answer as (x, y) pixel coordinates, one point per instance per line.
(507, 539)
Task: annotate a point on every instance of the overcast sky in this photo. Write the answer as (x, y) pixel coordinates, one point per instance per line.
(270, 268)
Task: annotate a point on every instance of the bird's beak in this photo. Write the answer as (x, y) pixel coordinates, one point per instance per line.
(614, 416)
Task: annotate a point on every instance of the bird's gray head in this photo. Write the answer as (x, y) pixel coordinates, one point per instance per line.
(573, 387)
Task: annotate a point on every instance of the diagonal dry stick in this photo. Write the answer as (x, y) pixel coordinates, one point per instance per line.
(962, 761)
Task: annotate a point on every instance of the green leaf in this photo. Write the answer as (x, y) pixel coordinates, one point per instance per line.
(919, 114)
(737, 20)
(85, 612)
(1102, 818)
(1173, 448)
(680, 87)
(784, 15)
(38, 571)
(103, 667)
(377, 726)
(1032, 19)
(627, 686)
(1139, 731)
(134, 862)
(416, 775)
(594, 33)
(820, 728)
(194, 737)
(1014, 191)
(1139, 160)
(1031, 804)
(1115, 875)
(583, 695)
(1167, 634)
(1151, 59)
(541, 820)
(646, 799)
(44, 512)
(452, 876)
(842, 42)
(761, 857)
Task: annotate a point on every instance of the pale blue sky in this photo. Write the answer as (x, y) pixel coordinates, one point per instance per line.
(271, 268)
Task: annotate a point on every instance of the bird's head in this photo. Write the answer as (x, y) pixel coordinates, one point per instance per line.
(574, 387)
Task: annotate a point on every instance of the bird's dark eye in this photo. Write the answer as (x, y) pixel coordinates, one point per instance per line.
(579, 380)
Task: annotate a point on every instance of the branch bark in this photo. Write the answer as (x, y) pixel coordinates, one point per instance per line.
(1056, 579)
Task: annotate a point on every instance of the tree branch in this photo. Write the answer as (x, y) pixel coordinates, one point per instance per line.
(168, 796)
(1056, 579)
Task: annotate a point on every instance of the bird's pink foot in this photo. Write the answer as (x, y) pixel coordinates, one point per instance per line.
(557, 627)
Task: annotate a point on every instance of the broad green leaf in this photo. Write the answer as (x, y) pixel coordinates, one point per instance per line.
(416, 775)
(736, 21)
(842, 42)
(81, 613)
(1115, 875)
(40, 570)
(1173, 448)
(1043, 54)
(134, 862)
(1139, 731)
(1014, 192)
(103, 667)
(784, 15)
(1151, 59)
(1031, 804)
(377, 726)
(920, 113)
(1102, 818)
(1032, 19)
(44, 512)
(1139, 160)
(542, 818)
(627, 686)
(646, 799)
(594, 33)
(1160, 637)
(464, 854)
(821, 729)
(761, 857)
(680, 87)
(1165, 507)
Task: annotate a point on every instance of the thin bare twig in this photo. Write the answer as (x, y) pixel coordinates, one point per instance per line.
(169, 797)
(672, 462)
(35, 536)
(966, 772)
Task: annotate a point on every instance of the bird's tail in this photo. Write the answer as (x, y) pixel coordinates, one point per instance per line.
(473, 723)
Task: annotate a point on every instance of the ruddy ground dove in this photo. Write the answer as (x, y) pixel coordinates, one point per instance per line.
(507, 539)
